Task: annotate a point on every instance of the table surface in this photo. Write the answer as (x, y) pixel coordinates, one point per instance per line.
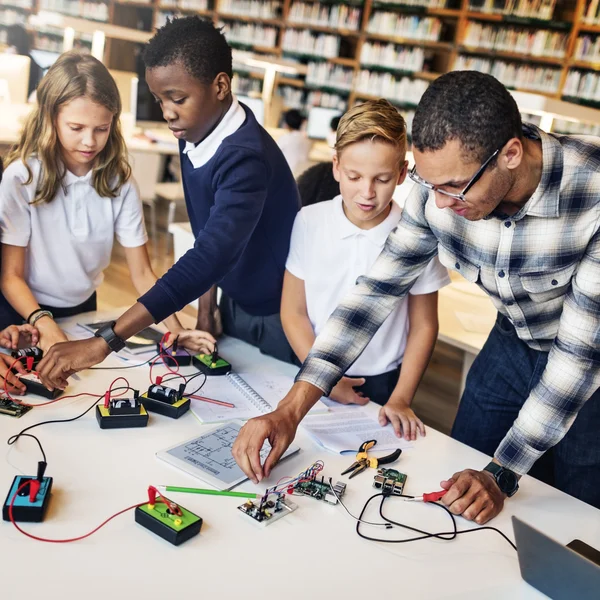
(99, 472)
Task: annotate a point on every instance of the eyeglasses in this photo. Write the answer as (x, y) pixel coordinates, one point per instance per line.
(461, 195)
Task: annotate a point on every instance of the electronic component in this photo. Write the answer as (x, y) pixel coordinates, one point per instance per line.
(35, 386)
(117, 413)
(390, 481)
(268, 509)
(321, 490)
(13, 409)
(34, 352)
(31, 500)
(174, 356)
(212, 364)
(169, 521)
(165, 400)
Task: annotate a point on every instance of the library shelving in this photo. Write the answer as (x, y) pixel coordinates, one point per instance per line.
(349, 47)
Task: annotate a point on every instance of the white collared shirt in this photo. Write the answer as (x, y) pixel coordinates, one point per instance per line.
(234, 118)
(329, 253)
(69, 240)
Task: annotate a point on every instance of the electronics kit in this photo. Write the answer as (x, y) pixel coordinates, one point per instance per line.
(29, 495)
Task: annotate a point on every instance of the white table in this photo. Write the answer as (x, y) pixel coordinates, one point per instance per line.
(96, 473)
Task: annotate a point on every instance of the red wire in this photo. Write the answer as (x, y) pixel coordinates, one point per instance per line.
(65, 541)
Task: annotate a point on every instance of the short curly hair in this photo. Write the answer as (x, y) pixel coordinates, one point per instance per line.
(195, 43)
(468, 106)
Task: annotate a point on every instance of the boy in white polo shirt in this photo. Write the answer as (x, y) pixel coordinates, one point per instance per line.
(335, 242)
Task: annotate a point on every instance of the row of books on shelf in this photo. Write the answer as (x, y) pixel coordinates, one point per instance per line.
(27, 4)
(575, 127)
(591, 14)
(420, 3)
(513, 75)
(587, 47)
(336, 16)
(406, 58)
(584, 85)
(244, 86)
(250, 33)
(328, 75)
(181, 4)
(405, 26)
(533, 9)
(263, 9)
(303, 41)
(302, 100)
(12, 17)
(396, 89)
(541, 42)
(96, 11)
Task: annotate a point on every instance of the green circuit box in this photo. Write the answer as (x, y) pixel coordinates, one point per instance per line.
(173, 528)
(209, 366)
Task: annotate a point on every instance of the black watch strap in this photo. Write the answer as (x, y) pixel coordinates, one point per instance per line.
(507, 480)
(107, 333)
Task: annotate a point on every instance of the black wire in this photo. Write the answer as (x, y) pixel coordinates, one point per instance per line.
(191, 378)
(426, 535)
(13, 438)
(87, 410)
(126, 367)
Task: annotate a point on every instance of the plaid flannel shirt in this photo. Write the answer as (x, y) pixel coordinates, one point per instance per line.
(540, 267)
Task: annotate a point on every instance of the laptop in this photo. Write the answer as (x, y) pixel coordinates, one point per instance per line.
(556, 570)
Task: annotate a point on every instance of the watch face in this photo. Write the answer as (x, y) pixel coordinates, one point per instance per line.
(507, 481)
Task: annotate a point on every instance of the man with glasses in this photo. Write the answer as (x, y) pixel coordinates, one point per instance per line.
(517, 211)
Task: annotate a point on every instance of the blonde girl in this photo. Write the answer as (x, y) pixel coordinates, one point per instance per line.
(65, 194)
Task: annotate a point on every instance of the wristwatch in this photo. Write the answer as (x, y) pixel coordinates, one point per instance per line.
(507, 481)
(107, 333)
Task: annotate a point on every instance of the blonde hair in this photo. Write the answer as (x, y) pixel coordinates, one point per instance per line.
(73, 75)
(375, 120)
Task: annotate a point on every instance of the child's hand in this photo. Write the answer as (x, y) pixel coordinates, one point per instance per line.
(50, 334)
(344, 391)
(14, 384)
(403, 419)
(194, 341)
(19, 336)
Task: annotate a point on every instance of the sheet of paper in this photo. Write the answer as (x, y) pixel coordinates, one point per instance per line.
(345, 431)
(274, 387)
(221, 388)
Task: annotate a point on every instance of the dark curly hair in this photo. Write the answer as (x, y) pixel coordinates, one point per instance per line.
(195, 43)
(468, 106)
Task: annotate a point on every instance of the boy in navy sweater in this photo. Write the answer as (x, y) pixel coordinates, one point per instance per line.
(241, 199)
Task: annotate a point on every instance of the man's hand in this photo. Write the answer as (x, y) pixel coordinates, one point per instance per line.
(403, 419)
(195, 341)
(473, 494)
(14, 383)
(19, 336)
(66, 358)
(279, 427)
(344, 391)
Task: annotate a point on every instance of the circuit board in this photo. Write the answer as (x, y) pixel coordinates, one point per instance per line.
(390, 481)
(321, 490)
(268, 510)
(12, 409)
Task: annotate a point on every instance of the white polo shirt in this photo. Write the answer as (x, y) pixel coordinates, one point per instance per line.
(69, 240)
(329, 253)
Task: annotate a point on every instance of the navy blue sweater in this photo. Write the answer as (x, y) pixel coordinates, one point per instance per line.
(242, 204)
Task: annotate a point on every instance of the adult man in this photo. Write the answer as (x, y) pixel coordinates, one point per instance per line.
(515, 210)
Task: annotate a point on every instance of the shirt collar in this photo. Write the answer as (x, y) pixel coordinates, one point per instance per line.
(545, 201)
(377, 235)
(71, 178)
(234, 118)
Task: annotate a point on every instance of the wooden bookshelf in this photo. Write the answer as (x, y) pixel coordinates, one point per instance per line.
(440, 55)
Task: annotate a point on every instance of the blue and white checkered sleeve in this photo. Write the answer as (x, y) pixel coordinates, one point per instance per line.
(571, 376)
(408, 250)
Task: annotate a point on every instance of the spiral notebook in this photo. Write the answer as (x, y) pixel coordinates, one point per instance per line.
(253, 394)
